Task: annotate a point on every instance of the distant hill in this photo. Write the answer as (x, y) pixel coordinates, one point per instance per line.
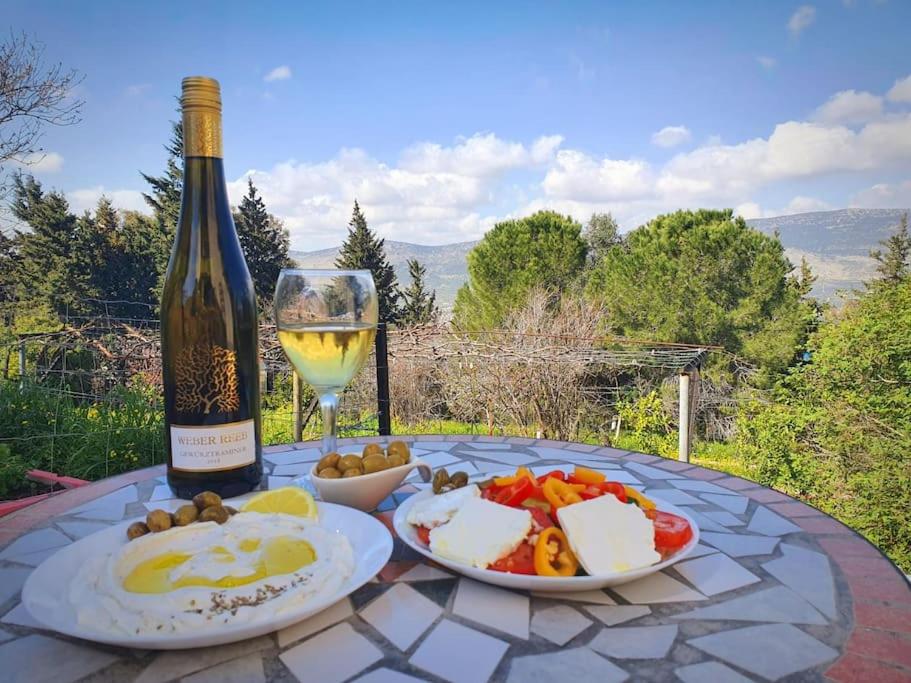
(836, 244)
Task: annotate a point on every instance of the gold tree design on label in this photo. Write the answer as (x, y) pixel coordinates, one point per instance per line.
(206, 378)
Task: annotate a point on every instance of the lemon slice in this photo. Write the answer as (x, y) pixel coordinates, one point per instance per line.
(289, 500)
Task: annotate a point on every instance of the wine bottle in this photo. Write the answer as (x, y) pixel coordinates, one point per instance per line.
(208, 322)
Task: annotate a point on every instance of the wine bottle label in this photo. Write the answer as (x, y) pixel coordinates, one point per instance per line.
(213, 447)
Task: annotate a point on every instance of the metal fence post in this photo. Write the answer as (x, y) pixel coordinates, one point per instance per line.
(382, 382)
(21, 361)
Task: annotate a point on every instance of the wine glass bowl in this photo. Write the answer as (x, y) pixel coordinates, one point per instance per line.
(326, 322)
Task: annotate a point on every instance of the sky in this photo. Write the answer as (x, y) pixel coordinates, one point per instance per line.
(443, 118)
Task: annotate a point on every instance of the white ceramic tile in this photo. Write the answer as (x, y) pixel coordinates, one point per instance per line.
(807, 573)
(5, 635)
(170, 505)
(437, 445)
(35, 558)
(490, 468)
(328, 617)
(750, 649)
(11, 581)
(178, 663)
(308, 455)
(650, 472)
(162, 492)
(735, 504)
(592, 461)
(673, 496)
(33, 542)
(331, 657)
(699, 551)
(247, 669)
(36, 659)
(401, 614)
(435, 654)
(594, 597)
(723, 517)
(279, 482)
(714, 672)
(422, 572)
(492, 607)
(766, 522)
(556, 453)
(122, 496)
(507, 457)
(704, 523)
(486, 446)
(772, 605)
(19, 616)
(566, 666)
(559, 624)
(700, 486)
(292, 470)
(384, 675)
(79, 530)
(656, 588)
(714, 574)
(439, 459)
(739, 545)
(462, 466)
(635, 642)
(617, 614)
(623, 477)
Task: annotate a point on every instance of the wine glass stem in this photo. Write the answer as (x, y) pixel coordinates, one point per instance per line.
(328, 404)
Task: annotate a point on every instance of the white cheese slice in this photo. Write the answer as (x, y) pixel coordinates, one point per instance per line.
(480, 533)
(609, 536)
(437, 510)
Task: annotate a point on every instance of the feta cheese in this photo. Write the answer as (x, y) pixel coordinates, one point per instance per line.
(481, 533)
(609, 536)
(437, 510)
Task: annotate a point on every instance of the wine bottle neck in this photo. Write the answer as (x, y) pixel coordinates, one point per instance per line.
(202, 133)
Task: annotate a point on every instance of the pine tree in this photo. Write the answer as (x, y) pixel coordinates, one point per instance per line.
(419, 306)
(805, 281)
(363, 250)
(265, 243)
(895, 262)
(601, 234)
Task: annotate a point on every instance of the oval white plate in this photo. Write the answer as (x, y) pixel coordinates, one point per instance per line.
(553, 584)
(45, 594)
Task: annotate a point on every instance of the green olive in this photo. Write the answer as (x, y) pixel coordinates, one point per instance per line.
(375, 463)
(399, 448)
(373, 449)
(158, 520)
(206, 499)
(395, 460)
(458, 480)
(352, 472)
(330, 473)
(215, 513)
(440, 479)
(186, 514)
(137, 529)
(328, 460)
(349, 461)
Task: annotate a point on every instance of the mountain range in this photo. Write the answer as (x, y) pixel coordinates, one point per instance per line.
(836, 244)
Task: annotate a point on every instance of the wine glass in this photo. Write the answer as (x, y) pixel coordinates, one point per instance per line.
(326, 322)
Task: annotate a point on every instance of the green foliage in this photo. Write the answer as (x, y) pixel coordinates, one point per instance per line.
(894, 263)
(12, 471)
(419, 306)
(264, 241)
(544, 250)
(645, 425)
(363, 250)
(704, 277)
(601, 234)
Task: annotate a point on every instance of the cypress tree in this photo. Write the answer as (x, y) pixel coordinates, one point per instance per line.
(363, 250)
(419, 305)
(893, 262)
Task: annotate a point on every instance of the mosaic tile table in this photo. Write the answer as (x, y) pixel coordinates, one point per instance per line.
(775, 591)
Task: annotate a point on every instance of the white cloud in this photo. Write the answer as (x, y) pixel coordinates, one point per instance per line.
(86, 199)
(40, 162)
(671, 136)
(478, 155)
(578, 176)
(801, 204)
(850, 107)
(801, 19)
(901, 91)
(767, 62)
(279, 73)
(137, 89)
(748, 210)
(884, 196)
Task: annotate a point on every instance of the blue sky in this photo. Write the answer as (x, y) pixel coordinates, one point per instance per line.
(442, 118)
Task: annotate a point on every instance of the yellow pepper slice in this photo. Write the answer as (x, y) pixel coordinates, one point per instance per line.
(643, 502)
(520, 473)
(553, 556)
(559, 493)
(587, 476)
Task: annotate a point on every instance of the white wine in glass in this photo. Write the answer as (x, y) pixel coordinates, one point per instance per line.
(326, 321)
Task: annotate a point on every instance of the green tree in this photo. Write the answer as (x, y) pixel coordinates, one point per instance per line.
(265, 243)
(704, 277)
(805, 279)
(419, 306)
(363, 250)
(601, 234)
(164, 200)
(543, 250)
(893, 263)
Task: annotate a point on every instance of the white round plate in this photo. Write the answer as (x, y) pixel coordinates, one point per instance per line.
(45, 591)
(552, 584)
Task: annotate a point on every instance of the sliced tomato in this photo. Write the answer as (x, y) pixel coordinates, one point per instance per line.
(590, 492)
(616, 488)
(423, 534)
(519, 561)
(556, 474)
(671, 532)
(541, 518)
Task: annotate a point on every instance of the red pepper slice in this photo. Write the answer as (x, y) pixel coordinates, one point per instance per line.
(520, 561)
(514, 494)
(556, 474)
(541, 518)
(590, 492)
(614, 487)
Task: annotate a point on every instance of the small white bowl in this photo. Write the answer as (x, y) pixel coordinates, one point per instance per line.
(367, 490)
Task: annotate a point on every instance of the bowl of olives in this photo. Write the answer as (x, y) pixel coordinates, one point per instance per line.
(362, 480)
